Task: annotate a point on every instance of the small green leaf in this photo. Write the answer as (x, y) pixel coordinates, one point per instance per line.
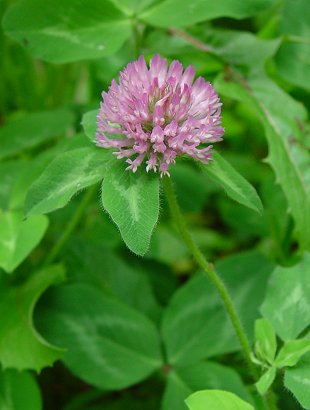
(19, 391)
(266, 342)
(19, 237)
(29, 130)
(266, 380)
(132, 200)
(287, 301)
(297, 380)
(291, 352)
(216, 399)
(67, 174)
(110, 345)
(238, 188)
(73, 30)
(21, 346)
(184, 380)
(89, 123)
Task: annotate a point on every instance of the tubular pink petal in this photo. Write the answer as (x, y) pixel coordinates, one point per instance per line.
(161, 113)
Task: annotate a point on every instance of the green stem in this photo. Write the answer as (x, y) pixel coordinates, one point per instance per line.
(69, 228)
(211, 273)
(208, 268)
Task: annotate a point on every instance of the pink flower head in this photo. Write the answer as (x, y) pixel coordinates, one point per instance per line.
(155, 114)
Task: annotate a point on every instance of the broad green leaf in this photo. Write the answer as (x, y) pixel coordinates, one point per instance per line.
(89, 123)
(234, 184)
(293, 58)
(67, 174)
(64, 31)
(132, 200)
(266, 342)
(110, 345)
(216, 399)
(287, 301)
(18, 237)
(89, 261)
(297, 380)
(289, 161)
(291, 352)
(178, 13)
(182, 381)
(29, 130)
(21, 346)
(266, 380)
(19, 391)
(195, 324)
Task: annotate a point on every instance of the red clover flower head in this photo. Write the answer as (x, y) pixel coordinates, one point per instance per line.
(155, 114)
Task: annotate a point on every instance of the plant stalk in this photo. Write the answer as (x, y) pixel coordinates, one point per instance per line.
(211, 274)
(69, 228)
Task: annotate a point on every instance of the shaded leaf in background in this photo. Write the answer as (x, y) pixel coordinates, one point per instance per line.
(90, 262)
(9, 172)
(297, 380)
(293, 58)
(240, 47)
(182, 381)
(195, 324)
(190, 183)
(21, 346)
(132, 201)
(67, 174)
(216, 399)
(287, 301)
(288, 162)
(236, 187)
(178, 13)
(89, 123)
(19, 391)
(73, 30)
(18, 237)
(110, 345)
(30, 130)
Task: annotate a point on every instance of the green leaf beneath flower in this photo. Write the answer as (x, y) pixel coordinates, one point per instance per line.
(237, 187)
(132, 200)
(67, 174)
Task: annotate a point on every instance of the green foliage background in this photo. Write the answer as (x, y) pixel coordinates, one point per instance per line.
(85, 323)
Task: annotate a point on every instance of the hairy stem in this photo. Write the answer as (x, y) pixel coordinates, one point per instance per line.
(69, 228)
(211, 274)
(269, 401)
